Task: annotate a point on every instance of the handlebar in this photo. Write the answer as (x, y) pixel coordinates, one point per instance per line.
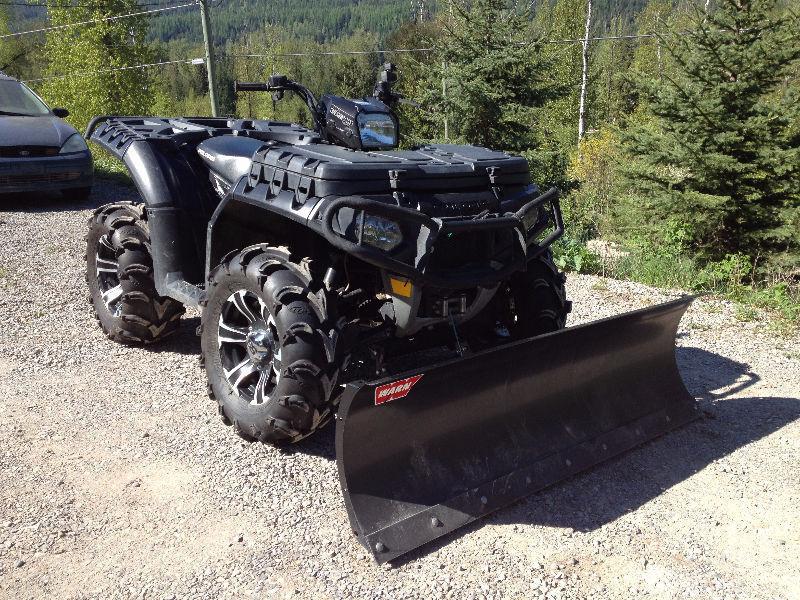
(278, 84)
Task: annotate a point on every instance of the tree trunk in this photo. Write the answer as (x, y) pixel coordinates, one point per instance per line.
(585, 78)
(444, 97)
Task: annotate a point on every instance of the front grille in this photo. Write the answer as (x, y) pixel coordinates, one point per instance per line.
(471, 249)
(27, 178)
(27, 151)
(460, 204)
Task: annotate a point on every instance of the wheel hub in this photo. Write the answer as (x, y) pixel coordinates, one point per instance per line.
(107, 272)
(248, 347)
(261, 346)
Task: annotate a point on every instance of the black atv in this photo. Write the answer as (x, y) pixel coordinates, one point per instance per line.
(318, 255)
(410, 293)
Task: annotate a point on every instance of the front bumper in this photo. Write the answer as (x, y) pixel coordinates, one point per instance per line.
(454, 253)
(53, 173)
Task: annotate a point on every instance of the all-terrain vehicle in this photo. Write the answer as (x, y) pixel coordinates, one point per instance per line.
(411, 294)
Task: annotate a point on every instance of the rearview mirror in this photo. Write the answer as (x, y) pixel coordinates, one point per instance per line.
(61, 113)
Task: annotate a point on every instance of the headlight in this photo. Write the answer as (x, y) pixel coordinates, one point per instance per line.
(378, 130)
(74, 144)
(530, 218)
(381, 233)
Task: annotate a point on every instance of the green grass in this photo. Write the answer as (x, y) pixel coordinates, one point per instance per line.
(109, 168)
(746, 313)
(780, 300)
(673, 268)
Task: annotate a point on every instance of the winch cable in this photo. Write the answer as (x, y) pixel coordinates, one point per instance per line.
(459, 347)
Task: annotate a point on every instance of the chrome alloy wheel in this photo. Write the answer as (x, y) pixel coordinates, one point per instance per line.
(248, 347)
(107, 272)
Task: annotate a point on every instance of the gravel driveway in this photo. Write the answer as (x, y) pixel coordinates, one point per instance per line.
(117, 479)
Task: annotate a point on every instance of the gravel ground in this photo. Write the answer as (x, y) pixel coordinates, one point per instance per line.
(118, 480)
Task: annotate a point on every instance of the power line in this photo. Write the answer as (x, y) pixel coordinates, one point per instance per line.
(335, 53)
(432, 49)
(187, 61)
(89, 22)
(319, 53)
(71, 5)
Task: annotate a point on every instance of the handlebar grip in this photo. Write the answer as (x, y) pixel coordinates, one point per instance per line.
(242, 86)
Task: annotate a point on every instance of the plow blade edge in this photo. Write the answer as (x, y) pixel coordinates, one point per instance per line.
(427, 452)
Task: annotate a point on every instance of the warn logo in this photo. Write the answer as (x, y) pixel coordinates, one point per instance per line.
(397, 389)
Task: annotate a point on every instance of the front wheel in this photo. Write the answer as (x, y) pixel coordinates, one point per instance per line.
(532, 302)
(535, 300)
(265, 346)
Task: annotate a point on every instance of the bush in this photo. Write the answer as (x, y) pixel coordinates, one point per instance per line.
(593, 166)
(571, 254)
(781, 298)
(670, 264)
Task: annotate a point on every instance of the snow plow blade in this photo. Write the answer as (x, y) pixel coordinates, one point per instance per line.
(424, 453)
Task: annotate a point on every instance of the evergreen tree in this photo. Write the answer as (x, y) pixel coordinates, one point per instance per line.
(718, 159)
(181, 89)
(489, 78)
(610, 89)
(87, 53)
(9, 47)
(345, 68)
(350, 75)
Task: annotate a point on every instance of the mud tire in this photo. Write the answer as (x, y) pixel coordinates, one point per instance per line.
(539, 299)
(139, 315)
(300, 402)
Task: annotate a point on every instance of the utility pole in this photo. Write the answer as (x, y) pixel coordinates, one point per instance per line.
(585, 77)
(208, 40)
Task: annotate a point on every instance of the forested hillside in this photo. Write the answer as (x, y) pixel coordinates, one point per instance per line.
(319, 20)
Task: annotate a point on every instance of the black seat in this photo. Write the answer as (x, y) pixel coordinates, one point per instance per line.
(229, 156)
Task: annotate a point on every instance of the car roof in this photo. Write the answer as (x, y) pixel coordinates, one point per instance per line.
(4, 76)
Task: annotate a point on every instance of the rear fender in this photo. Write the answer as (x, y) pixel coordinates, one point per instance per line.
(177, 196)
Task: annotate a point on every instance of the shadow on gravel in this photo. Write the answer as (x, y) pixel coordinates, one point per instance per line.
(45, 203)
(322, 444)
(623, 484)
(704, 373)
(184, 341)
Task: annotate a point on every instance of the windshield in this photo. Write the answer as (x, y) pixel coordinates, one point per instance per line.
(17, 99)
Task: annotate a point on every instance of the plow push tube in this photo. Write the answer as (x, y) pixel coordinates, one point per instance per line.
(426, 452)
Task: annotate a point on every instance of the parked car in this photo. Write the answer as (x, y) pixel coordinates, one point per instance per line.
(38, 150)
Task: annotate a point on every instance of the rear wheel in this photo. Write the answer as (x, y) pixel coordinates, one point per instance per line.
(119, 273)
(267, 346)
